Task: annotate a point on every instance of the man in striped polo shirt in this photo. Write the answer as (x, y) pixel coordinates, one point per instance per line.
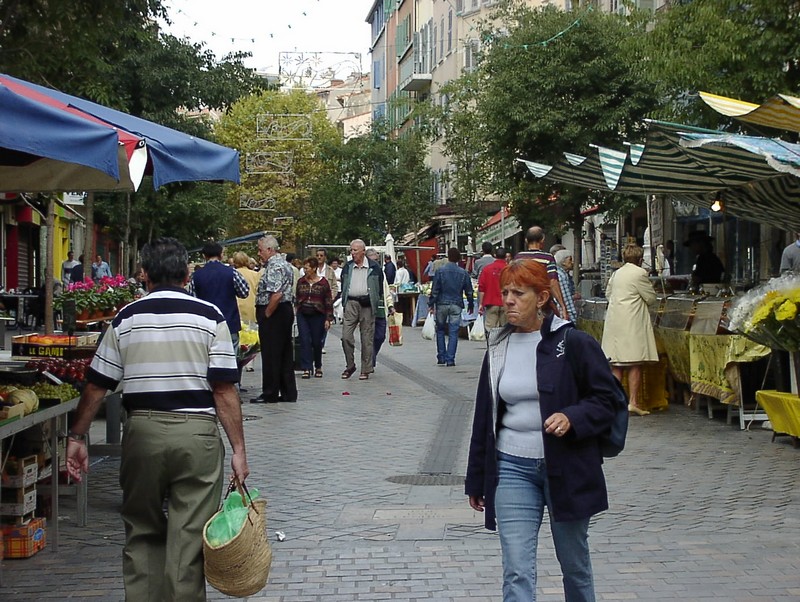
(534, 238)
(173, 355)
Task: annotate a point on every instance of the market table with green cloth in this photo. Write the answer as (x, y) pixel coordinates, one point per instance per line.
(714, 364)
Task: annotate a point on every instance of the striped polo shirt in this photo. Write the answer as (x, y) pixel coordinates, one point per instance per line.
(166, 349)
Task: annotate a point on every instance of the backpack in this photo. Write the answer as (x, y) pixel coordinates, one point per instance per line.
(612, 441)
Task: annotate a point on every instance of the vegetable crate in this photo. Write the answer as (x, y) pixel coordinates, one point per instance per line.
(17, 502)
(23, 541)
(21, 472)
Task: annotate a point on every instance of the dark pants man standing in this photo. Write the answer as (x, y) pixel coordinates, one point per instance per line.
(275, 314)
(277, 356)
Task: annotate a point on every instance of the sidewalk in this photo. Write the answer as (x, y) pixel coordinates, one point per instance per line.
(365, 478)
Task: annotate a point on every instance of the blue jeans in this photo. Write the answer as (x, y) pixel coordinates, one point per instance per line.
(522, 493)
(448, 320)
(378, 338)
(311, 330)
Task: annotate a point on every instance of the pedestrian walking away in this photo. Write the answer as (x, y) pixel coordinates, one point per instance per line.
(490, 299)
(450, 285)
(221, 285)
(173, 355)
(535, 437)
(275, 315)
(362, 292)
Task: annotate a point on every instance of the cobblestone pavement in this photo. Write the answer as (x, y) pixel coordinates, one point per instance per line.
(699, 510)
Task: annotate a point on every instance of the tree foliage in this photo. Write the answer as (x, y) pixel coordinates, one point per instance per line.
(553, 82)
(290, 191)
(748, 50)
(372, 184)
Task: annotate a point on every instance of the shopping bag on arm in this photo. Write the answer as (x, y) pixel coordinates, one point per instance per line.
(395, 322)
(429, 328)
(478, 330)
(237, 555)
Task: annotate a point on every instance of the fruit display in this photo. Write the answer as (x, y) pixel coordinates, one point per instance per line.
(64, 391)
(11, 396)
(71, 371)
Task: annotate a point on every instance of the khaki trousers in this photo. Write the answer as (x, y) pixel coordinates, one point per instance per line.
(494, 316)
(175, 457)
(362, 318)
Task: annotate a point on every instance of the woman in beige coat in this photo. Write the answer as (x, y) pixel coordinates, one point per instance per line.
(628, 339)
(247, 306)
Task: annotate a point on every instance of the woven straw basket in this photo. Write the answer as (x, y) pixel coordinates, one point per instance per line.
(241, 566)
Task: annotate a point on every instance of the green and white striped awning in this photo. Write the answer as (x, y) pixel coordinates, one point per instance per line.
(758, 178)
(780, 112)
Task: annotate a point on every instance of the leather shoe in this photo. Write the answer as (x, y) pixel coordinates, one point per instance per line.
(259, 399)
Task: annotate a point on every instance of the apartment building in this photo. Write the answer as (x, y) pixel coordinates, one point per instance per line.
(417, 47)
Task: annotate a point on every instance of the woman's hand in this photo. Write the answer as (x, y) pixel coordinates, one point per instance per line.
(477, 503)
(558, 425)
(327, 324)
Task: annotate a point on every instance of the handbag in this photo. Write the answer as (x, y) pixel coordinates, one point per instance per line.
(240, 567)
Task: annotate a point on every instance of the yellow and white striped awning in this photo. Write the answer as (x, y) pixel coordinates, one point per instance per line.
(781, 112)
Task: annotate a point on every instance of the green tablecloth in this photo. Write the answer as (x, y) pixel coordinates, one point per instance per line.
(675, 344)
(713, 363)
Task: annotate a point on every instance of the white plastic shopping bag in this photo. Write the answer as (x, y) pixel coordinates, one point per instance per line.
(478, 331)
(429, 328)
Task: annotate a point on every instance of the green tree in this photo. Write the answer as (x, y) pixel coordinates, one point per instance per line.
(292, 163)
(73, 45)
(550, 82)
(371, 183)
(457, 125)
(748, 50)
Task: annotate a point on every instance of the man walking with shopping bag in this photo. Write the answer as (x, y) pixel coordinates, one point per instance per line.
(450, 284)
(173, 355)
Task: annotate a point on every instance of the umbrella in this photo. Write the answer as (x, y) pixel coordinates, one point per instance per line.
(389, 250)
(54, 142)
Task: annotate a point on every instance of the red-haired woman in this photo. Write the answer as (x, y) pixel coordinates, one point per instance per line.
(535, 436)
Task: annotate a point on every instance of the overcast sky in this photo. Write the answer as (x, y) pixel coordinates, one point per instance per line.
(267, 28)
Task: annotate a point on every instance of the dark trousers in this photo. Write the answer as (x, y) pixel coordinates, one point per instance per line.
(277, 361)
(311, 328)
(378, 339)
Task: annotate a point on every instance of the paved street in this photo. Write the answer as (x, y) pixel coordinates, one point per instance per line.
(366, 481)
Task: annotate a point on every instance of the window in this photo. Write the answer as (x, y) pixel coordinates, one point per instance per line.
(433, 47)
(441, 40)
(471, 55)
(450, 31)
(476, 4)
(459, 6)
(377, 75)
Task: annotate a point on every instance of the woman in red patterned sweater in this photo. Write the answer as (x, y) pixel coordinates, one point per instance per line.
(314, 316)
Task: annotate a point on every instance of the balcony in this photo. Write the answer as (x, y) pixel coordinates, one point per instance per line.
(414, 72)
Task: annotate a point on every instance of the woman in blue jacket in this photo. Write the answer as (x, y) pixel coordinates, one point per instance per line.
(535, 436)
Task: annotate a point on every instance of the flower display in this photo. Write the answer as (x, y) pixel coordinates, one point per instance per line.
(248, 345)
(768, 314)
(104, 296)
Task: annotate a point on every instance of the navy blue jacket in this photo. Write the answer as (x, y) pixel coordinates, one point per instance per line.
(574, 462)
(214, 283)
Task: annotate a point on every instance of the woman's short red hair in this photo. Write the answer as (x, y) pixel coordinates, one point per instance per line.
(527, 272)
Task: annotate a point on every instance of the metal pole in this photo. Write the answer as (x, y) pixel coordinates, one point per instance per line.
(503, 225)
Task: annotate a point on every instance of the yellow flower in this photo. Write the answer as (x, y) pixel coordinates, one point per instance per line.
(762, 312)
(786, 311)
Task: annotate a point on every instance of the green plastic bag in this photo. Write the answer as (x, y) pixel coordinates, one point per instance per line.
(227, 523)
